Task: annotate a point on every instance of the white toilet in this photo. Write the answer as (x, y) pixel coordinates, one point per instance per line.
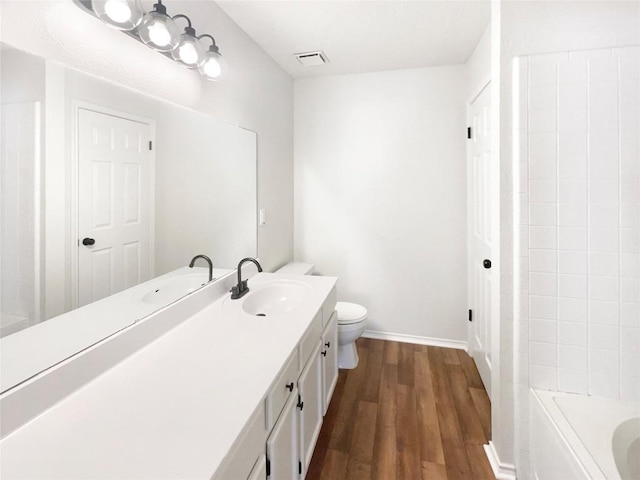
(352, 319)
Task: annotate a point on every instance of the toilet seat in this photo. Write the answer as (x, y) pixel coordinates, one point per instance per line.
(349, 313)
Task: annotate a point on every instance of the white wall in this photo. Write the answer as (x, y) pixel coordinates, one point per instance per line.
(525, 28)
(380, 194)
(255, 94)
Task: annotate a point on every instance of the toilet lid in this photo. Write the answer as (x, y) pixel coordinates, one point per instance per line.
(350, 313)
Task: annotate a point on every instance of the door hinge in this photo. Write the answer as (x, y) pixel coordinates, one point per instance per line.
(268, 467)
(469, 132)
(150, 145)
(470, 315)
(299, 468)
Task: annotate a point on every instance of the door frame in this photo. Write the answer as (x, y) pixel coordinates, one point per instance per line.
(74, 238)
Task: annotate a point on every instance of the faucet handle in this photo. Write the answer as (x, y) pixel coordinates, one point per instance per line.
(239, 290)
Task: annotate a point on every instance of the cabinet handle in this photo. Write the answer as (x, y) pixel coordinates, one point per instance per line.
(300, 404)
(324, 353)
(290, 386)
(328, 344)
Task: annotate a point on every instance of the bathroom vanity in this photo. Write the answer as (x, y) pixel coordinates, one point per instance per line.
(206, 388)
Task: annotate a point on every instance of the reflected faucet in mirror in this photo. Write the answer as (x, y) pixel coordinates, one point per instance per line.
(208, 260)
(241, 288)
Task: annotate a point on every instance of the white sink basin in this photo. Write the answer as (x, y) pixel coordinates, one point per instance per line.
(172, 289)
(274, 298)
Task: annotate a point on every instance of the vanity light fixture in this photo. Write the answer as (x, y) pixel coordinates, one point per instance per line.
(159, 31)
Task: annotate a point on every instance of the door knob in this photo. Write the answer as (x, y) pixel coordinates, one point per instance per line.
(88, 241)
(486, 263)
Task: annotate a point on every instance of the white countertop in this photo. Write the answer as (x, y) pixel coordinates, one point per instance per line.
(174, 408)
(32, 350)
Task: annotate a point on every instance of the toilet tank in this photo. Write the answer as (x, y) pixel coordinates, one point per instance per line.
(297, 268)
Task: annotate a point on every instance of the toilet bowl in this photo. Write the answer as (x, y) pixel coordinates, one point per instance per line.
(352, 319)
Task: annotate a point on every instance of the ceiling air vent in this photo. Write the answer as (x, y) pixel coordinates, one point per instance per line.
(311, 59)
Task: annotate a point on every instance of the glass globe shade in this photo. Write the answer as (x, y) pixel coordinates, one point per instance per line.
(190, 52)
(119, 14)
(214, 66)
(159, 32)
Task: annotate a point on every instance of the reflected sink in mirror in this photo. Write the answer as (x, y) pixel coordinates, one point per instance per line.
(277, 297)
(171, 290)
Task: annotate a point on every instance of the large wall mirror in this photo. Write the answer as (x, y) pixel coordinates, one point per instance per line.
(105, 189)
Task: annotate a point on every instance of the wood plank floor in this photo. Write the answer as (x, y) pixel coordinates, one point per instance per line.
(407, 412)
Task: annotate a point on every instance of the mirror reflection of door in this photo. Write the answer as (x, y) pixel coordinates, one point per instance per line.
(115, 204)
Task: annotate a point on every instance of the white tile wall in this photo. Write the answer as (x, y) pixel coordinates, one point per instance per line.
(580, 219)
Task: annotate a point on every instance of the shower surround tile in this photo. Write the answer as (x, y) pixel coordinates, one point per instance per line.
(580, 112)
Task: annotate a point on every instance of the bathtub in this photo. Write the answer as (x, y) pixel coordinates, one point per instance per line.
(579, 437)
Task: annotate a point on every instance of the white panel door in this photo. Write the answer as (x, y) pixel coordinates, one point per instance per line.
(481, 214)
(114, 204)
(282, 444)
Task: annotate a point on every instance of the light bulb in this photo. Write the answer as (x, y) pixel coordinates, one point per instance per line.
(188, 54)
(121, 14)
(212, 68)
(159, 34)
(117, 10)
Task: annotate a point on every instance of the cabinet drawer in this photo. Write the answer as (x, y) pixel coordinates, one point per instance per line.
(281, 389)
(310, 339)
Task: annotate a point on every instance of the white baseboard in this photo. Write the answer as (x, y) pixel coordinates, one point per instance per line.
(400, 337)
(502, 471)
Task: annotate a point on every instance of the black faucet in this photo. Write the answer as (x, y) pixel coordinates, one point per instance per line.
(241, 289)
(193, 261)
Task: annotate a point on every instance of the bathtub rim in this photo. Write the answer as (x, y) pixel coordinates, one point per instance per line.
(567, 435)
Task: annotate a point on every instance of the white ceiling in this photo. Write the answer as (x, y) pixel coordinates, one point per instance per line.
(361, 35)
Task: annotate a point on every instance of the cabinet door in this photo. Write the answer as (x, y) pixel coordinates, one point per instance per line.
(282, 444)
(310, 408)
(329, 361)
